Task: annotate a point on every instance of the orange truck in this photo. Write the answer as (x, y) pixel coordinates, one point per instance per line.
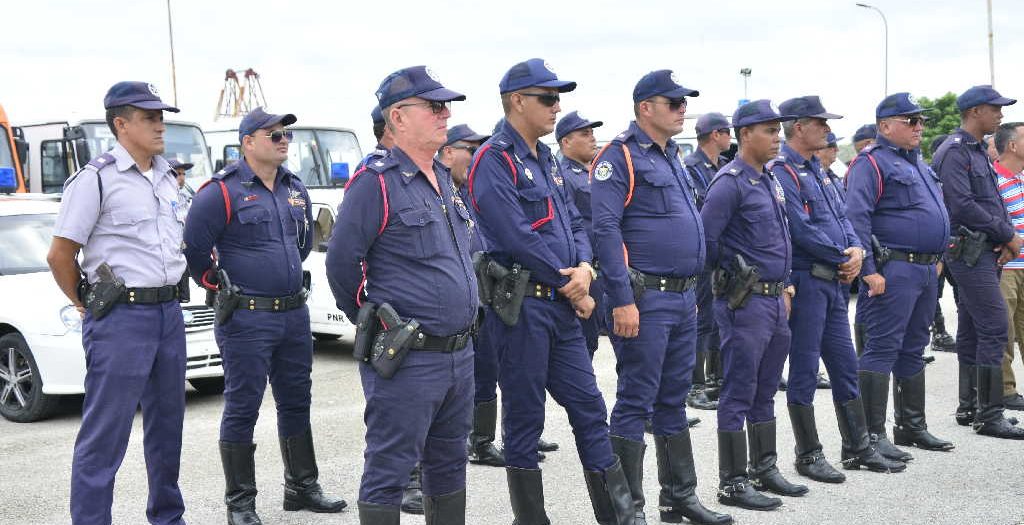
(13, 151)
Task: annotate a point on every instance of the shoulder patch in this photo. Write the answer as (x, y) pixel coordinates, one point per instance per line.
(603, 171)
(101, 162)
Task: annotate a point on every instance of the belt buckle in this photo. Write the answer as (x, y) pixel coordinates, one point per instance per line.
(764, 288)
(910, 257)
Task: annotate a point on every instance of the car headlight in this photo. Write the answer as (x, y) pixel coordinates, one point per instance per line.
(71, 318)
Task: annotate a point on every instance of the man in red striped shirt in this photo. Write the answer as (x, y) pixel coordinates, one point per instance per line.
(1009, 143)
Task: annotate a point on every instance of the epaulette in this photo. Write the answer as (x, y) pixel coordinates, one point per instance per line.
(500, 141)
(101, 162)
(382, 163)
(692, 160)
(623, 137)
(225, 171)
(871, 147)
(732, 171)
(781, 159)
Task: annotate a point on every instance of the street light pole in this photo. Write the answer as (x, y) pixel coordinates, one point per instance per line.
(745, 72)
(991, 49)
(174, 73)
(885, 26)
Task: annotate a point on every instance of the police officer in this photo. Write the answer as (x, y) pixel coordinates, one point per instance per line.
(407, 246)
(180, 171)
(864, 136)
(528, 220)
(895, 205)
(383, 135)
(575, 136)
(255, 215)
(974, 204)
(827, 156)
(713, 139)
(121, 211)
(650, 242)
(826, 255)
(744, 215)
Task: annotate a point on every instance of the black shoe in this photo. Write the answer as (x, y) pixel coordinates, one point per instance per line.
(546, 446)
(678, 479)
(823, 382)
(526, 491)
(968, 395)
(374, 514)
(631, 454)
(734, 487)
(911, 427)
(610, 495)
(448, 509)
(810, 461)
(692, 421)
(481, 448)
(240, 482)
(857, 449)
(943, 342)
(764, 474)
(783, 385)
(301, 489)
(699, 400)
(928, 359)
(874, 392)
(412, 496)
(990, 420)
(1014, 402)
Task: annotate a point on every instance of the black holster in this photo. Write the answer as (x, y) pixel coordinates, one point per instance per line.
(967, 246)
(509, 289)
(227, 299)
(636, 282)
(392, 343)
(100, 298)
(184, 291)
(366, 330)
(881, 253)
(736, 283)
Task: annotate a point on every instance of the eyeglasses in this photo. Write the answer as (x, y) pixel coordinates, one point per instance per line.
(276, 136)
(724, 131)
(673, 104)
(436, 106)
(912, 121)
(548, 99)
(470, 149)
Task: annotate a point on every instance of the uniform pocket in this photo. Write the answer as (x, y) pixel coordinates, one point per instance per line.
(760, 227)
(650, 191)
(419, 231)
(254, 221)
(537, 205)
(132, 223)
(905, 189)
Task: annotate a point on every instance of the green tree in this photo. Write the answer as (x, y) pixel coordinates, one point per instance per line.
(943, 118)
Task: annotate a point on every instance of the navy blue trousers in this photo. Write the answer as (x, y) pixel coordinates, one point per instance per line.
(422, 414)
(255, 346)
(982, 321)
(592, 327)
(896, 322)
(485, 365)
(134, 356)
(707, 329)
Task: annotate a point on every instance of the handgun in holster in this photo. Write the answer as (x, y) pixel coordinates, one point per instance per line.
(485, 281)
(509, 291)
(101, 297)
(392, 343)
(307, 283)
(367, 327)
(636, 282)
(742, 279)
(227, 299)
(881, 253)
(967, 246)
(184, 291)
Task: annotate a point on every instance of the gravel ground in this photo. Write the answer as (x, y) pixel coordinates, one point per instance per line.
(980, 482)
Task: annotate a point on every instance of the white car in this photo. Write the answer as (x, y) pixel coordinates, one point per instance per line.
(41, 354)
(326, 321)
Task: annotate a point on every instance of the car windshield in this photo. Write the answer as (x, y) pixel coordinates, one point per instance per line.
(24, 242)
(181, 142)
(339, 146)
(312, 152)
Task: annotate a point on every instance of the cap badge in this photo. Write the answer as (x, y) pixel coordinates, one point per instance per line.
(548, 67)
(430, 73)
(153, 90)
(672, 76)
(603, 171)
(580, 116)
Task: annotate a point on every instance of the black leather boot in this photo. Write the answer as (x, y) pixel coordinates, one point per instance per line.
(874, 393)
(481, 441)
(764, 473)
(713, 377)
(734, 488)
(824, 383)
(858, 338)
(240, 482)
(374, 514)
(990, 420)
(941, 340)
(857, 449)
(301, 489)
(546, 446)
(968, 395)
(911, 427)
(692, 421)
(678, 480)
(448, 509)
(412, 496)
(810, 460)
(526, 491)
(631, 454)
(610, 496)
(698, 399)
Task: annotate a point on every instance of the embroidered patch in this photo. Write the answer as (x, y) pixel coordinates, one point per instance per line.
(558, 180)
(528, 173)
(603, 171)
(295, 198)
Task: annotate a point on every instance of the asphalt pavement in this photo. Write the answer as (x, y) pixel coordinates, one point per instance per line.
(980, 482)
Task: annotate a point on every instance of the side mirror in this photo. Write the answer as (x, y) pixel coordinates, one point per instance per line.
(21, 150)
(74, 133)
(232, 153)
(8, 180)
(339, 173)
(219, 165)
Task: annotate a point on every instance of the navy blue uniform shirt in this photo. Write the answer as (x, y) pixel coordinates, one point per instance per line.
(969, 187)
(701, 171)
(905, 211)
(744, 214)
(839, 185)
(576, 181)
(476, 241)
(660, 230)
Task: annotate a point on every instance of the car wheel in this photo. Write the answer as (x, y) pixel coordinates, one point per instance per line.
(208, 386)
(326, 337)
(21, 389)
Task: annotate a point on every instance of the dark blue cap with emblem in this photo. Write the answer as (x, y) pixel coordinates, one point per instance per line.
(984, 94)
(756, 112)
(533, 72)
(376, 115)
(415, 81)
(258, 119)
(175, 164)
(140, 95)
(573, 121)
(465, 133)
(661, 82)
(709, 122)
(806, 107)
(833, 141)
(896, 105)
(865, 132)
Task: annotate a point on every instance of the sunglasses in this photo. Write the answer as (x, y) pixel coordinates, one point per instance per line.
(912, 121)
(436, 106)
(673, 104)
(548, 99)
(276, 136)
(470, 149)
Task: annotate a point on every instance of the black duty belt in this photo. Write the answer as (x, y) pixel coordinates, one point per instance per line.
(769, 288)
(542, 291)
(915, 257)
(668, 284)
(271, 304)
(158, 295)
(435, 343)
(824, 272)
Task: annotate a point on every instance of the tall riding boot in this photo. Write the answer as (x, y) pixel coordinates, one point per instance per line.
(678, 479)
(610, 496)
(764, 473)
(810, 460)
(374, 514)
(481, 441)
(874, 391)
(526, 490)
(857, 449)
(941, 340)
(412, 496)
(858, 338)
(713, 377)
(911, 427)
(990, 420)
(734, 487)
(240, 482)
(968, 407)
(697, 398)
(301, 489)
(449, 509)
(631, 454)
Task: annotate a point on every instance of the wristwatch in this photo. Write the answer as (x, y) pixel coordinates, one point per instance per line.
(587, 265)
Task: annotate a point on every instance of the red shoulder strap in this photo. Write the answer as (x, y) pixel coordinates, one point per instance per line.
(878, 174)
(796, 179)
(227, 197)
(476, 162)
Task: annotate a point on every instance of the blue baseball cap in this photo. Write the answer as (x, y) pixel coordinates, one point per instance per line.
(258, 119)
(140, 95)
(709, 122)
(415, 81)
(756, 112)
(376, 115)
(833, 141)
(898, 104)
(465, 133)
(806, 107)
(175, 164)
(661, 82)
(573, 121)
(865, 132)
(533, 72)
(984, 94)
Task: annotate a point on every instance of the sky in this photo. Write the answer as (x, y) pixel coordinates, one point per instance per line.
(323, 60)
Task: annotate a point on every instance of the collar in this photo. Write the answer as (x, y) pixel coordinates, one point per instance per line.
(796, 158)
(645, 142)
(573, 165)
(747, 169)
(1003, 171)
(247, 175)
(124, 161)
(519, 146)
(909, 154)
(966, 138)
